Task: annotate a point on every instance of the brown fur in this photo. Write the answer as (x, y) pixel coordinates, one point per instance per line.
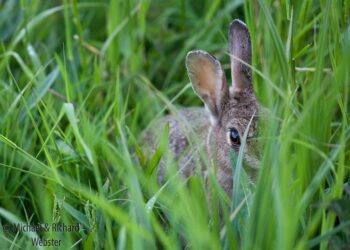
(195, 130)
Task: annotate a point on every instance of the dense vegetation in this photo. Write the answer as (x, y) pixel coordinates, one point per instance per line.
(80, 81)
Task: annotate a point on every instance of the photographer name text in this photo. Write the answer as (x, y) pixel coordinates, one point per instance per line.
(41, 227)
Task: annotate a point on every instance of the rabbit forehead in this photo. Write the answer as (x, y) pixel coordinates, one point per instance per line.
(237, 114)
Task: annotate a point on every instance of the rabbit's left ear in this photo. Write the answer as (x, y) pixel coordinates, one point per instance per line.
(240, 50)
(208, 80)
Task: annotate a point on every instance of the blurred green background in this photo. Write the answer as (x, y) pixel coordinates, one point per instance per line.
(80, 80)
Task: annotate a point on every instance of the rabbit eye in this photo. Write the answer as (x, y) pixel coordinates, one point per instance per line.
(234, 137)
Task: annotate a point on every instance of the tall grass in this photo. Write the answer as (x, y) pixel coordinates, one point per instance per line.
(80, 80)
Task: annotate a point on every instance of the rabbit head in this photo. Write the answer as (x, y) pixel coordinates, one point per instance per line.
(230, 109)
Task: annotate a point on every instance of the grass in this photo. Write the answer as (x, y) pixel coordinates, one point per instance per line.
(80, 81)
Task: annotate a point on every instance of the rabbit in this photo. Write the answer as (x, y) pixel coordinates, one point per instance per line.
(218, 128)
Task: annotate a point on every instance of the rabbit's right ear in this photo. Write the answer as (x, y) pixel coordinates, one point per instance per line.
(208, 80)
(240, 50)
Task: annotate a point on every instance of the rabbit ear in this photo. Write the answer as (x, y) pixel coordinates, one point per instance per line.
(208, 80)
(240, 47)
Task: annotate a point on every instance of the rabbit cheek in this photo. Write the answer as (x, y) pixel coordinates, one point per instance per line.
(222, 149)
(218, 149)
